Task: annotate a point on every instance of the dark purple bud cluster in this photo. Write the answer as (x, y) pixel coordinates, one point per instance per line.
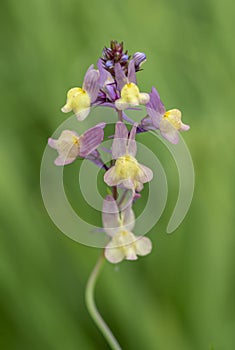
(115, 54)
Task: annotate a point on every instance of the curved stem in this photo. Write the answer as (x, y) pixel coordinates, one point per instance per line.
(91, 306)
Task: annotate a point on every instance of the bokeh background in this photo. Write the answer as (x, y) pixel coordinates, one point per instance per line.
(181, 296)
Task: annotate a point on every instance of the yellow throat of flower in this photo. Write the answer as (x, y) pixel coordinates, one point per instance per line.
(78, 99)
(174, 117)
(76, 141)
(127, 167)
(130, 93)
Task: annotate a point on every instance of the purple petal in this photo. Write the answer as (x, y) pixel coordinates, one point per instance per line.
(184, 127)
(52, 143)
(120, 76)
(112, 93)
(131, 146)
(90, 140)
(136, 196)
(103, 72)
(61, 160)
(172, 136)
(119, 146)
(94, 157)
(86, 77)
(131, 72)
(110, 215)
(155, 107)
(91, 83)
(101, 125)
(147, 123)
(139, 58)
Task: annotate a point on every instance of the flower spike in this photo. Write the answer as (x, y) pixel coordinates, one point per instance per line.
(113, 84)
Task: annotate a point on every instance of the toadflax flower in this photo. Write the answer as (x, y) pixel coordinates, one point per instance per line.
(70, 145)
(130, 94)
(126, 171)
(168, 122)
(79, 100)
(124, 244)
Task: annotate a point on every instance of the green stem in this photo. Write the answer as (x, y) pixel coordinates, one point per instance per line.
(91, 306)
(120, 117)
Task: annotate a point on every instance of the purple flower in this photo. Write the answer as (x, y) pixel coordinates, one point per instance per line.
(124, 244)
(130, 94)
(79, 100)
(70, 145)
(168, 122)
(126, 172)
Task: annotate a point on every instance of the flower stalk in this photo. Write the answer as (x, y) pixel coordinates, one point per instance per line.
(91, 306)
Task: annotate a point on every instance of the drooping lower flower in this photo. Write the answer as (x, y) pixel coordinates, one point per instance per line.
(124, 244)
(130, 93)
(70, 145)
(79, 100)
(126, 172)
(168, 122)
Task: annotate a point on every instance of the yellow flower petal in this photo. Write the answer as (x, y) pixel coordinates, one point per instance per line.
(130, 93)
(78, 100)
(174, 117)
(130, 97)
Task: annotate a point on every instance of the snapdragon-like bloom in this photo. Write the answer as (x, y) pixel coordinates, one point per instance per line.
(79, 100)
(124, 244)
(126, 171)
(168, 122)
(70, 145)
(130, 93)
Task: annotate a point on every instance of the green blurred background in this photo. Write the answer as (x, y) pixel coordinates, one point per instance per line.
(181, 297)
